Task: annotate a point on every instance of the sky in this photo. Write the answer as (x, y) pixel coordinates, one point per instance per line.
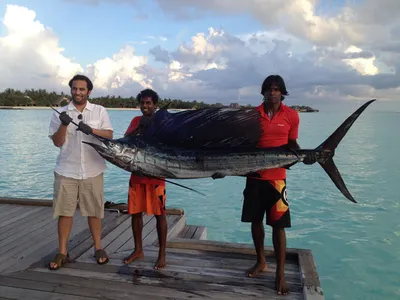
(212, 50)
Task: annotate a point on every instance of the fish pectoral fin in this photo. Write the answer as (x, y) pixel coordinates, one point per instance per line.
(290, 149)
(217, 175)
(287, 167)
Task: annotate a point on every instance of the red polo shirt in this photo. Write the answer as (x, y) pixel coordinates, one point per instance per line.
(141, 179)
(276, 132)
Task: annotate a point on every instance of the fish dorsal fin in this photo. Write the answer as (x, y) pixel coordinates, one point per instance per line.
(206, 128)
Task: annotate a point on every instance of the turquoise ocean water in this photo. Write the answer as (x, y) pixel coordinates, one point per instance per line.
(356, 246)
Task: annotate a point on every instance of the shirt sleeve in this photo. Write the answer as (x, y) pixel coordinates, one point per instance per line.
(294, 126)
(54, 125)
(133, 125)
(105, 121)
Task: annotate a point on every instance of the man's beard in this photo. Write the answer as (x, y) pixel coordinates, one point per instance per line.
(82, 101)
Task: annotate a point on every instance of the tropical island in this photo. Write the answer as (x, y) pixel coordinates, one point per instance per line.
(11, 98)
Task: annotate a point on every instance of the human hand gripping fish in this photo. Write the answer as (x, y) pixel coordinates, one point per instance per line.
(81, 126)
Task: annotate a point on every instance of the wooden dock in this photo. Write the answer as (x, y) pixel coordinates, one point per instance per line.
(196, 267)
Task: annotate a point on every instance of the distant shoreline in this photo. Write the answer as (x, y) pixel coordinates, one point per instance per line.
(295, 107)
(47, 107)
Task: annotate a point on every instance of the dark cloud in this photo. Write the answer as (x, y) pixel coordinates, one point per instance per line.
(160, 54)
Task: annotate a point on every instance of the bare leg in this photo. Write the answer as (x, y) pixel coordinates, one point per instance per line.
(95, 229)
(279, 241)
(257, 232)
(162, 240)
(64, 230)
(137, 226)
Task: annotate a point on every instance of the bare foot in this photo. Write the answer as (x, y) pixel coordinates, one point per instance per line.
(280, 285)
(257, 269)
(160, 263)
(134, 256)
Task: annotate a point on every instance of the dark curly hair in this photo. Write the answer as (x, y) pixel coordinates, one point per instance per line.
(148, 93)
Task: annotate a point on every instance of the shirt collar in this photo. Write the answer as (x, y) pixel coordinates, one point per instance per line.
(260, 108)
(89, 106)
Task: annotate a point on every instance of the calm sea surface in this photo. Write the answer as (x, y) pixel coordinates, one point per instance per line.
(356, 246)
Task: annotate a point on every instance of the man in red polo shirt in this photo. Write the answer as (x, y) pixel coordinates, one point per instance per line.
(146, 194)
(266, 192)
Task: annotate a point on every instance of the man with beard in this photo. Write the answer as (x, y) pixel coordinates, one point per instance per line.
(146, 195)
(78, 174)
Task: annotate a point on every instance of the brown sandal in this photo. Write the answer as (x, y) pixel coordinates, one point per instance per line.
(60, 259)
(99, 254)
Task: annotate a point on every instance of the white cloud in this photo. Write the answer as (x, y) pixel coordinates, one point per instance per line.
(321, 58)
(30, 54)
(365, 66)
(121, 69)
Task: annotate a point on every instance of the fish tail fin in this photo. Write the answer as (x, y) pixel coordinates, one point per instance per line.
(328, 148)
(333, 172)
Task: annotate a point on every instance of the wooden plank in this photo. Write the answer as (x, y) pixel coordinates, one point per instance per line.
(86, 245)
(35, 246)
(109, 224)
(190, 232)
(64, 288)
(28, 240)
(188, 273)
(175, 224)
(19, 216)
(82, 230)
(6, 210)
(26, 201)
(183, 231)
(13, 216)
(123, 224)
(206, 245)
(45, 253)
(128, 243)
(13, 249)
(200, 233)
(24, 232)
(10, 229)
(170, 287)
(21, 293)
(239, 266)
(241, 263)
(149, 234)
(225, 255)
(312, 287)
(108, 286)
(5, 207)
(125, 239)
(49, 203)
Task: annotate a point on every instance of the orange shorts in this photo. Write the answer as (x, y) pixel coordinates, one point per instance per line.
(148, 198)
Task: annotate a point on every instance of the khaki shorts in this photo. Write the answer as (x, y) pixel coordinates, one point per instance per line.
(69, 192)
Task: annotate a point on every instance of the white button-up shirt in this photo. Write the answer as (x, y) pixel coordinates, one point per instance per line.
(76, 159)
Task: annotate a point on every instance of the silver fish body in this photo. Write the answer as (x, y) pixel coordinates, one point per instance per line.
(189, 164)
(150, 157)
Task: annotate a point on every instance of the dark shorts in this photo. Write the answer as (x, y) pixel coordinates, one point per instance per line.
(266, 197)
